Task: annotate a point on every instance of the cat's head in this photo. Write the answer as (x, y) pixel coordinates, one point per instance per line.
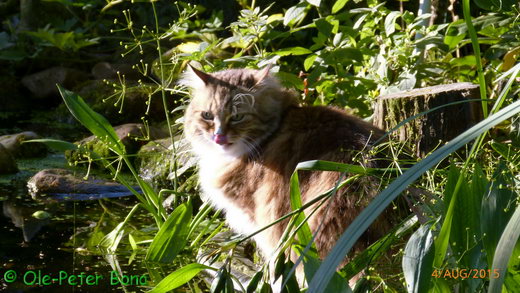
(233, 111)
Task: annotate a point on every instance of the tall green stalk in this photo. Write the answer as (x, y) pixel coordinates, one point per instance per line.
(163, 88)
(476, 49)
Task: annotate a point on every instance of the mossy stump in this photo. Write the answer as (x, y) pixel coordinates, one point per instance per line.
(427, 132)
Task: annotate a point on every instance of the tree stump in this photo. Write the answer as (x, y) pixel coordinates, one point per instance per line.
(435, 128)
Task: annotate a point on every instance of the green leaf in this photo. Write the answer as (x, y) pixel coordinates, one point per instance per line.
(112, 239)
(179, 278)
(364, 259)
(253, 284)
(295, 14)
(222, 282)
(13, 54)
(290, 80)
(418, 260)
(304, 233)
(337, 284)
(93, 121)
(343, 56)
(314, 2)
(455, 33)
(293, 51)
(503, 252)
(309, 61)
(496, 210)
(338, 5)
(317, 165)
(390, 22)
(379, 204)
(324, 26)
(289, 279)
(55, 144)
(172, 236)
(496, 5)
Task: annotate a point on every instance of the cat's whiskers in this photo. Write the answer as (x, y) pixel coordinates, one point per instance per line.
(252, 145)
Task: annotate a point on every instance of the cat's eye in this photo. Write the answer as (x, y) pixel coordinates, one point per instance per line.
(207, 115)
(236, 117)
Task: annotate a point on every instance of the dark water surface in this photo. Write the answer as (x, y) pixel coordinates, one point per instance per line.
(51, 246)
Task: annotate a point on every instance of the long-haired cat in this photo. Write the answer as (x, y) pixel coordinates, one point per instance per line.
(250, 133)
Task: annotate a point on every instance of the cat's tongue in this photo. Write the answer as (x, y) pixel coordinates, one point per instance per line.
(220, 139)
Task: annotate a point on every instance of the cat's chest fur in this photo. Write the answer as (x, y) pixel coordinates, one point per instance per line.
(212, 173)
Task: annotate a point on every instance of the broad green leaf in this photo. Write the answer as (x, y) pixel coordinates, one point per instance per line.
(295, 14)
(324, 26)
(379, 204)
(55, 144)
(309, 61)
(179, 278)
(503, 252)
(293, 51)
(172, 236)
(314, 2)
(93, 121)
(418, 260)
(338, 5)
(290, 80)
(274, 17)
(455, 33)
(343, 56)
(390, 22)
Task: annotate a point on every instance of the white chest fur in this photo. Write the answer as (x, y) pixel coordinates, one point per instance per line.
(211, 169)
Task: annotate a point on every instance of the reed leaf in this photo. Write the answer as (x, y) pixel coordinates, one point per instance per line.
(93, 121)
(503, 252)
(418, 260)
(179, 277)
(476, 49)
(55, 144)
(304, 233)
(172, 236)
(378, 205)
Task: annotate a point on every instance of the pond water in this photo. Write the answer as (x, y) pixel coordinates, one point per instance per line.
(51, 246)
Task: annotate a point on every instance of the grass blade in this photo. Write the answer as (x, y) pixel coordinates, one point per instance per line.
(378, 205)
(304, 233)
(179, 278)
(504, 251)
(55, 144)
(476, 50)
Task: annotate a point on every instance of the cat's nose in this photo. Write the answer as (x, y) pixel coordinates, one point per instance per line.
(220, 139)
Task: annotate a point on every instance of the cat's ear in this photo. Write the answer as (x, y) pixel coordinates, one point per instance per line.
(194, 78)
(202, 75)
(261, 75)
